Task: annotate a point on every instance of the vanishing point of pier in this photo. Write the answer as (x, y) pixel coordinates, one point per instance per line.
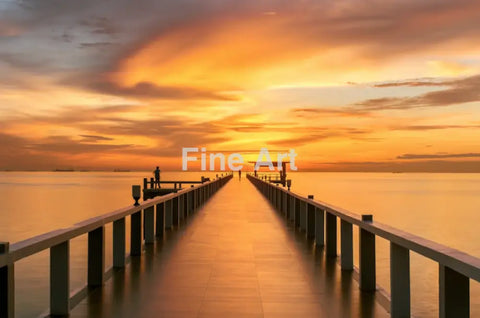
(230, 248)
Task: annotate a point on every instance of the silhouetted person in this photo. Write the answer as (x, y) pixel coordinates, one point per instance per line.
(239, 174)
(157, 177)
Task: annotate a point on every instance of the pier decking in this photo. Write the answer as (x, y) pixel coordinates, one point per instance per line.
(235, 257)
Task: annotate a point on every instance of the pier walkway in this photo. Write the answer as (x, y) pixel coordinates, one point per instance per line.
(235, 257)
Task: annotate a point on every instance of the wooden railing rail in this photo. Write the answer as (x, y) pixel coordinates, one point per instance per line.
(319, 221)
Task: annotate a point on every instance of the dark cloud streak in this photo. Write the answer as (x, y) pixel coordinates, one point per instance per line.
(439, 156)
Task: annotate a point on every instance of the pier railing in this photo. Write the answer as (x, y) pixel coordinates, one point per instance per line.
(319, 221)
(156, 214)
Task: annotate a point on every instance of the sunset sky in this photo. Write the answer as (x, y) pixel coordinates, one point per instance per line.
(350, 85)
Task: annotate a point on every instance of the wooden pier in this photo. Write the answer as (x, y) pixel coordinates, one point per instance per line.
(236, 254)
(318, 220)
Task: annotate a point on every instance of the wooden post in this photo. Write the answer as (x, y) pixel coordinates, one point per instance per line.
(96, 256)
(319, 227)
(279, 199)
(60, 279)
(160, 219)
(149, 219)
(303, 215)
(274, 197)
(181, 208)
(192, 201)
(399, 281)
(168, 214)
(175, 211)
(454, 295)
(119, 243)
(296, 219)
(7, 285)
(346, 241)
(291, 201)
(310, 210)
(367, 258)
(136, 234)
(186, 205)
(331, 236)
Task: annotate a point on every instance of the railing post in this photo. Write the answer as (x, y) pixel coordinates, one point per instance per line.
(331, 236)
(96, 256)
(282, 205)
(296, 219)
(367, 258)
(181, 208)
(186, 204)
(148, 219)
(454, 295)
(7, 285)
(192, 201)
(168, 214)
(199, 196)
(399, 281)
(175, 211)
(285, 205)
(136, 234)
(119, 243)
(60, 279)
(291, 211)
(319, 227)
(310, 210)
(160, 219)
(303, 216)
(279, 199)
(275, 200)
(145, 187)
(346, 245)
(274, 197)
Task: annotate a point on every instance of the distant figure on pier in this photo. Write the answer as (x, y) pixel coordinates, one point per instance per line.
(156, 172)
(239, 174)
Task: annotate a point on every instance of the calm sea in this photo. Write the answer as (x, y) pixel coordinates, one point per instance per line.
(441, 207)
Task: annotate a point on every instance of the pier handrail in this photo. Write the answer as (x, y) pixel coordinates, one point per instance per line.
(41, 242)
(319, 220)
(169, 208)
(462, 262)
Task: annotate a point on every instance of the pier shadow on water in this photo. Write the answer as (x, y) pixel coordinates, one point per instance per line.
(236, 257)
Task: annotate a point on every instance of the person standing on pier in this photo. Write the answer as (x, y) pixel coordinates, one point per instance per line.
(239, 174)
(156, 172)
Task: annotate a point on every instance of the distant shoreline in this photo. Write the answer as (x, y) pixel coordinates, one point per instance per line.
(304, 171)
